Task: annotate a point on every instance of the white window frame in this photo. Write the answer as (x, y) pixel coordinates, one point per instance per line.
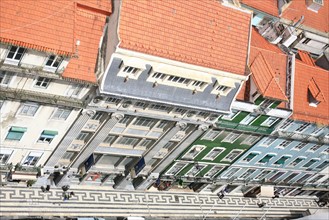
(245, 160)
(302, 127)
(130, 72)
(230, 171)
(29, 109)
(110, 138)
(82, 136)
(196, 148)
(144, 122)
(42, 81)
(247, 174)
(249, 119)
(211, 171)
(286, 124)
(300, 146)
(74, 90)
(231, 137)
(268, 122)
(261, 175)
(211, 135)
(55, 63)
(14, 60)
(198, 168)
(284, 144)
(61, 114)
(227, 158)
(30, 158)
(5, 154)
(181, 167)
(250, 140)
(207, 157)
(316, 147)
(127, 141)
(6, 79)
(291, 164)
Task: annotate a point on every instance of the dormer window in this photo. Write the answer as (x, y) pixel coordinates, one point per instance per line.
(15, 55)
(221, 89)
(177, 79)
(314, 94)
(130, 70)
(53, 63)
(158, 75)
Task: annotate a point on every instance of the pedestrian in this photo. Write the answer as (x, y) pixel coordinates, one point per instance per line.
(72, 194)
(43, 189)
(48, 188)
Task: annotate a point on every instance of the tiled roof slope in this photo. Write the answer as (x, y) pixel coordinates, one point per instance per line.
(54, 27)
(267, 6)
(318, 21)
(195, 32)
(276, 61)
(294, 12)
(305, 57)
(315, 79)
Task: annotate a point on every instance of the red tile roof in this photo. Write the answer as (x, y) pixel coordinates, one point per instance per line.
(315, 79)
(267, 6)
(265, 80)
(319, 21)
(294, 12)
(205, 34)
(305, 57)
(54, 27)
(275, 63)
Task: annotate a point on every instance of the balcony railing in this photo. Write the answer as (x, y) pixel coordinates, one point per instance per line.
(33, 96)
(249, 128)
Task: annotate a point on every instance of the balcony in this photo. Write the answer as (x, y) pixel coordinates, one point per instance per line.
(26, 95)
(25, 173)
(248, 128)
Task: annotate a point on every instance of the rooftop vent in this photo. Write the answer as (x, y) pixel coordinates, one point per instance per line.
(314, 5)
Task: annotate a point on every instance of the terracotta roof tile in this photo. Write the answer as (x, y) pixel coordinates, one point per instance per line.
(318, 21)
(264, 78)
(55, 26)
(315, 79)
(306, 58)
(209, 35)
(267, 6)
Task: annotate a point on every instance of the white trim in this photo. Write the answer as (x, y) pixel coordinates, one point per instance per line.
(206, 134)
(215, 148)
(194, 148)
(230, 160)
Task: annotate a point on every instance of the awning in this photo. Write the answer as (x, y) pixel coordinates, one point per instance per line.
(282, 160)
(18, 129)
(48, 132)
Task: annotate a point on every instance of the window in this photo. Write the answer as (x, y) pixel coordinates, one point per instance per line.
(177, 79)
(203, 114)
(198, 84)
(326, 151)
(125, 120)
(233, 155)
(109, 139)
(162, 124)
(266, 159)
(112, 100)
(276, 176)
(323, 165)
(213, 154)
(128, 141)
(16, 133)
(68, 155)
(300, 146)
(168, 145)
(310, 163)
(29, 109)
(315, 147)
(231, 137)
(269, 121)
(145, 122)
(284, 144)
(317, 131)
(304, 178)
(282, 160)
(194, 151)
(221, 88)
(145, 143)
(141, 105)
(195, 170)
(248, 119)
(250, 140)
(262, 175)
(316, 179)
(180, 111)
(246, 174)
(211, 135)
(302, 127)
(15, 53)
(286, 124)
(74, 90)
(266, 103)
(175, 169)
(130, 70)
(230, 173)
(268, 141)
(47, 136)
(5, 78)
(250, 157)
(158, 75)
(32, 159)
(213, 171)
(61, 114)
(160, 108)
(231, 116)
(4, 155)
(97, 116)
(82, 136)
(306, 40)
(53, 61)
(290, 177)
(296, 162)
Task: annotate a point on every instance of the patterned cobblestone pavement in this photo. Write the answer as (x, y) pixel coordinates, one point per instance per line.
(20, 201)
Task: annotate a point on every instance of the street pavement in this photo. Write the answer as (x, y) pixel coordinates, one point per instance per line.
(105, 202)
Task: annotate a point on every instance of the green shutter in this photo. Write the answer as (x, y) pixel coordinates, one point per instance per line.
(12, 135)
(18, 129)
(282, 160)
(48, 132)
